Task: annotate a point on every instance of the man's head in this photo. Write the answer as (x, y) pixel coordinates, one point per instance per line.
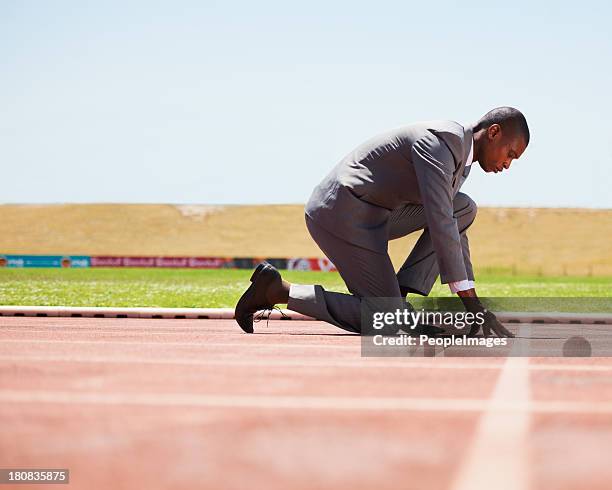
(500, 136)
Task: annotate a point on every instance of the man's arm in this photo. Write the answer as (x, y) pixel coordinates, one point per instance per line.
(434, 165)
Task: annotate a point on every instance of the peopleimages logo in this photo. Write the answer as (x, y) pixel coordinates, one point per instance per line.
(444, 342)
(410, 319)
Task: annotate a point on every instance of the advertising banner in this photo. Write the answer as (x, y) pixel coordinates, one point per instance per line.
(44, 261)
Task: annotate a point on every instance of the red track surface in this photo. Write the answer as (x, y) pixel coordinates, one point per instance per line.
(134, 403)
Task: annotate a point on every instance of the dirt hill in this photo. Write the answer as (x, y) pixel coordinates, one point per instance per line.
(547, 241)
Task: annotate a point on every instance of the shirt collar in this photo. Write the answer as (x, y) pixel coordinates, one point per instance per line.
(470, 157)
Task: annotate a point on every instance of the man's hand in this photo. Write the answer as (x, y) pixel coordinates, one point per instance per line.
(491, 323)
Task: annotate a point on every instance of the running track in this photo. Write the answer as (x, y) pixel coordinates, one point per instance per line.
(184, 404)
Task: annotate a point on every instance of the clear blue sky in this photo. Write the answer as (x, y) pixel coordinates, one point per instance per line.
(254, 102)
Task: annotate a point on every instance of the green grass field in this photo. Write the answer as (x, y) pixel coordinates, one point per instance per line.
(221, 288)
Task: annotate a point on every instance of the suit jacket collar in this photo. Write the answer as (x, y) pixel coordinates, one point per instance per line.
(460, 173)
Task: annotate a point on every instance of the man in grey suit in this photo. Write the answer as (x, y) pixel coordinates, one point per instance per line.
(394, 184)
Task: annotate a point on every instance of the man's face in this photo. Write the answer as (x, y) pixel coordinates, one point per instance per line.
(500, 149)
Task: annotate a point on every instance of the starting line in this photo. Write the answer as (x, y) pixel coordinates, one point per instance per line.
(228, 314)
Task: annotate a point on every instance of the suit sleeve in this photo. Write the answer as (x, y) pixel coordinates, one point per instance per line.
(434, 164)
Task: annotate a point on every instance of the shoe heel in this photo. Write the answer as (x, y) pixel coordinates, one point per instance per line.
(257, 270)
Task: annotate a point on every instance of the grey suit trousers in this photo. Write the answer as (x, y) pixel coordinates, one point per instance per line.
(371, 274)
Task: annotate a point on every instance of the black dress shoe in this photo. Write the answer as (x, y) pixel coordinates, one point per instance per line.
(254, 298)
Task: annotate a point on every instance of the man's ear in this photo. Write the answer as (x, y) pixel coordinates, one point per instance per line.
(494, 131)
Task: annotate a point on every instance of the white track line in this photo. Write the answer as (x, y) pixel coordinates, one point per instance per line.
(444, 405)
(396, 363)
(134, 312)
(257, 362)
(228, 313)
(498, 456)
(202, 343)
(71, 329)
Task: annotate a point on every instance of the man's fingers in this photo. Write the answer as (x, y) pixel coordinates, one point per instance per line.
(474, 329)
(502, 331)
(492, 323)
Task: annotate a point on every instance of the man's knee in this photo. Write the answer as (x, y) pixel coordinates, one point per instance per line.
(465, 208)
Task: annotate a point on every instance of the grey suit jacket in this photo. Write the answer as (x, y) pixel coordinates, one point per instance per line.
(423, 163)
